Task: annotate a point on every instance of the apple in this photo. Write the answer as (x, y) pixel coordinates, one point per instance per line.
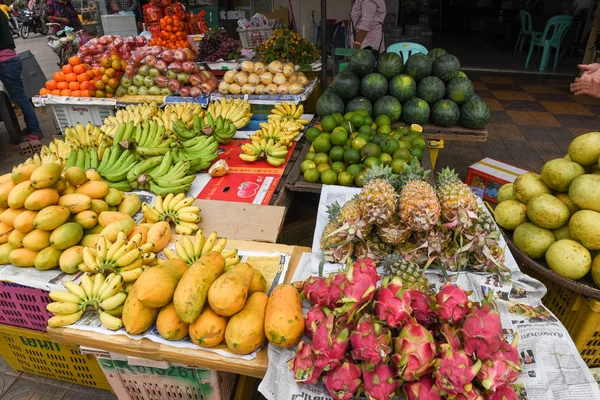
(140, 41)
(185, 91)
(188, 67)
(195, 80)
(161, 81)
(195, 92)
(161, 65)
(132, 90)
(175, 67)
(130, 70)
(165, 92)
(171, 74)
(154, 72)
(189, 54)
(119, 41)
(110, 72)
(105, 79)
(174, 85)
(180, 55)
(183, 78)
(120, 92)
(142, 91)
(149, 81)
(113, 83)
(109, 89)
(154, 91)
(138, 80)
(168, 56)
(144, 70)
(100, 93)
(150, 61)
(105, 62)
(100, 85)
(126, 81)
(116, 65)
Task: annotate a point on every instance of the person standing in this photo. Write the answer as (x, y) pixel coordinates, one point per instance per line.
(10, 75)
(367, 24)
(62, 11)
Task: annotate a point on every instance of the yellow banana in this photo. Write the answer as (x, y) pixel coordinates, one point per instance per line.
(88, 285)
(60, 308)
(113, 302)
(167, 201)
(199, 241)
(129, 257)
(132, 275)
(210, 242)
(110, 322)
(113, 288)
(98, 283)
(169, 253)
(65, 297)
(181, 253)
(64, 320)
(150, 213)
(232, 261)
(76, 290)
(158, 204)
(188, 217)
(220, 245)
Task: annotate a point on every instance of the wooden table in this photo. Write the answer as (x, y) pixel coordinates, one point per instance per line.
(195, 358)
(452, 133)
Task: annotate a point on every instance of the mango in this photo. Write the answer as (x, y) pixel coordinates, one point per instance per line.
(87, 219)
(70, 259)
(98, 206)
(76, 202)
(37, 240)
(90, 240)
(47, 258)
(96, 229)
(5, 189)
(209, 329)
(585, 149)
(41, 198)
(157, 284)
(9, 215)
(24, 222)
(113, 197)
(5, 250)
(5, 178)
(113, 208)
(22, 257)
(94, 189)
(45, 175)
(130, 204)
(75, 176)
(159, 234)
(5, 231)
(93, 175)
(139, 229)
(20, 193)
(112, 230)
(51, 217)
(258, 283)
(169, 325)
(106, 218)
(69, 189)
(22, 173)
(66, 235)
(59, 185)
(15, 239)
(137, 318)
(228, 294)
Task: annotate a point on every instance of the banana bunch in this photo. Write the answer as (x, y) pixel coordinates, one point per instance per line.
(288, 111)
(36, 159)
(123, 257)
(184, 112)
(200, 151)
(167, 178)
(60, 149)
(115, 165)
(222, 129)
(102, 294)
(190, 250)
(136, 113)
(237, 111)
(279, 133)
(149, 138)
(85, 158)
(80, 136)
(274, 153)
(174, 208)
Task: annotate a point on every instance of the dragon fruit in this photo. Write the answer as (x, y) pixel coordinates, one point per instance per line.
(329, 344)
(504, 393)
(313, 318)
(482, 331)
(343, 381)
(422, 311)
(393, 302)
(496, 373)
(454, 371)
(473, 394)
(423, 389)
(335, 289)
(510, 353)
(358, 287)
(452, 304)
(316, 290)
(371, 341)
(450, 333)
(380, 383)
(415, 351)
(303, 365)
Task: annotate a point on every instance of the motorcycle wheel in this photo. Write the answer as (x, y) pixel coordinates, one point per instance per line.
(24, 31)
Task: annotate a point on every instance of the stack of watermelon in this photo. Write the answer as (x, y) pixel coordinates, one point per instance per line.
(427, 88)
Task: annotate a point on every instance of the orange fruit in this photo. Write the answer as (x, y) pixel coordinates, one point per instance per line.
(44, 91)
(58, 76)
(76, 93)
(84, 93)
(71, 77)
(74, 85)
(51, 84)
(67, 69)
(55, 92)
(74, 60)
(83, 77)
(65, 92)
(80, 69)
(62, 85)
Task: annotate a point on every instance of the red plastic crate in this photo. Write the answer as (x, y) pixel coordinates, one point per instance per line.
(23, 306)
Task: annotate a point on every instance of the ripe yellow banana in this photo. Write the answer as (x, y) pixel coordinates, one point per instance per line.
(64, 320)
(76, 290)
(113, 302)
(61, 308)
(110, 322)
(60, 296)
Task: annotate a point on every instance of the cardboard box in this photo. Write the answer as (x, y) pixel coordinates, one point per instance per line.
(281, 14)
(487, 176)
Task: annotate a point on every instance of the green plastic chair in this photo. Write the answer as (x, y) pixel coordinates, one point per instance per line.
(559, 26)
(343, 52)
(526, 30)
(406, 49)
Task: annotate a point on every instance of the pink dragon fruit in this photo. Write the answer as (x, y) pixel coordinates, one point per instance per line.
(482, 331)
(359, 286)
(423, 389)
(335, 289)
(509, 353)
(414, 351)
(473, 394)
(504, 393)
(454, 371)
(329, 343)
(313, 318)
(316, 290)
(343, 381)
(421, 305)
(380, 383)
(450, 333)
(303, 365)
(452, 304)
(393, 302)
(495, 373)
(371, 341)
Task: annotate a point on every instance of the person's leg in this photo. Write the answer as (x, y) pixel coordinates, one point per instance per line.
(10, 75)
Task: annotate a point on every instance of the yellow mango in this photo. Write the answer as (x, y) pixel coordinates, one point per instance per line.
(87, 219)
(37, 240)
(41, 198)
(45, 175)
(22, 173)
(70, 259)
(5, 189)
(98, 206)
(9, 215)
(15, 239)
(96, 229)
(51, 218)
(69, 189)
(113, 197)
(24, 222)
(75, 176)
(59, 185)
(169, 325)
(22, 257)
(157, 284)
(93, 175)
(5, 231)
(20, 193)
(245, 330)
(5, 250)
(90, 240)
(47, 258)
(94, 189)
(137, 318)
(159, 234)
(76, 202)
(228, 294)
(66, 235)
(130, 204)
(106, 218)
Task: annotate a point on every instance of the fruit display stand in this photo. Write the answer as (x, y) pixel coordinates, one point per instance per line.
(452, 133)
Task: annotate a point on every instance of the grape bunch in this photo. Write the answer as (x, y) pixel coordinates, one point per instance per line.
(218, 45)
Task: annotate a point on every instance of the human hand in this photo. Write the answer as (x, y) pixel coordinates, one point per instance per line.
(589, 68)
(590, 87)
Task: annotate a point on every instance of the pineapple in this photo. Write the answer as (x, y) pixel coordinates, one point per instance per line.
(332, 226)
(411, 274)
(334, 243)
(378, 199)
(457, 202)
(419, 207)
(484, 222)
(372, 247)
(393, 231)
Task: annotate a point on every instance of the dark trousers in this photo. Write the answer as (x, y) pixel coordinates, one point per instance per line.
(10, 75)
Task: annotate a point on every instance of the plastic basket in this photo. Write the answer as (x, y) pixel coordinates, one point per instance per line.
(32, 352)
(71, 114)
(252, 37)
(580, 315)
(23, 306)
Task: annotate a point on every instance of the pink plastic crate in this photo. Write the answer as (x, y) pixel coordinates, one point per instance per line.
(23, 306)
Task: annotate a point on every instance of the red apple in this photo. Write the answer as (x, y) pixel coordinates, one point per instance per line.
(168, 56)
(150, 61)
(180, 55)
(130, 70)
(173, 85)
(161, 65)
(185, 91)
(175, 67)
(161, 81)
(195, 80)
(195, 92)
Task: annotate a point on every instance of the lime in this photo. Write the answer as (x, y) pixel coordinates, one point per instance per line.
(371, 160)
(419, 143)
(339, 136)
(347, 125)
(359, 179)
(307, 164)
(348, 144)
(377, 139)
(345, 179)
(389, 145)
(322, 144)
(365, 136)
(338, 167)
(323, 167)
(416, 152)
(397, 165)
(312, 133)
(328, 123)
(357, 119)
(339, 118)
(337, 153)
(402, 144)
(354, 169)
(359, 143)
(385, 159)
(321, 158)
(402, 154)
(361, 111)
(329, 177)
(351, 156)
(370, 149)
(416, 128)
(384, 130)
(368, 119)
(312, 175)
(407, 143)
(397, 135)
(310, 155)
(404, 129)
(348, 115)
(412, 136)
(366, 129)
(382, 120)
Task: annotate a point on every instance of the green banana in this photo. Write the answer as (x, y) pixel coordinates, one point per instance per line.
(72, 159)
(119, 133)
(94, 159)
(123, 185)
(151, 151)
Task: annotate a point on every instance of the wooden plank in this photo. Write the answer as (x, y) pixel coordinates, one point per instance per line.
(452, 133)
(494, 147)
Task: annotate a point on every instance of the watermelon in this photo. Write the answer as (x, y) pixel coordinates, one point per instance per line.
(359, 103)
(445, 113)
(390, 65)
(346, 85)
(461, 74)
(362, 63)
(431, 89)
(373, 86)
(418, 66)
(459, 90)
(389, 106)
(329, 103)
(446, 67)
(415, 111)
(474, 114)
(434, 54)
(403, 87)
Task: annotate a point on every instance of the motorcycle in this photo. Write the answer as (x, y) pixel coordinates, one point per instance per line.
(13, 22)
(64, 41)
(32, 22)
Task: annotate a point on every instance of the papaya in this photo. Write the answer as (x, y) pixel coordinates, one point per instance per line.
(157, 284)
(209, 329)
(245, 330)
(9, 215)
(45, 175)
(106, 218)
(66, 235)
(90, 240)
(94, 189)
(130, 204)
(75, 176)
(5, 250)
(22, 173)
(5, 189)
(87, 219)
(159, 235)
(59, 185)
(70, 259)
(5, 231)
(93, 175)
(228, 294)
(98, 206)
(68, 189)
(47, 258)
(41, 198)
(169, 325)
(22, 257)
(20, 193)
(37, 240)
(51, 217)
(111, 231)
(15, 239)
(75, 202)
(192, 290)
(139, 229)
(284, 322)
(258, 283)
(113, 197)
(137, 318)
(24, 222)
